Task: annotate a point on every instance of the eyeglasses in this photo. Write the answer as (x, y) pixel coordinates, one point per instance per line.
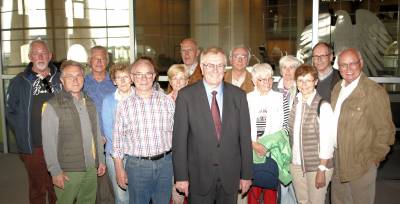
(319, 57)
(72, 77)
(216, 67)
(304, 81)
(242, 57)
(265, 80)
(351, 64)
(120, 78)
(47, 85)
(147, 75)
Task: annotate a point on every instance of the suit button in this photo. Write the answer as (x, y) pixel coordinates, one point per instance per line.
(215, 164)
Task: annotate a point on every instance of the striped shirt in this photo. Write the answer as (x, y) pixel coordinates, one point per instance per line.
(143, 127)
(268, 113)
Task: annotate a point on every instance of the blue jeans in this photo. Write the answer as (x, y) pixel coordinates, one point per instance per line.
(121, 195)
(149, 180)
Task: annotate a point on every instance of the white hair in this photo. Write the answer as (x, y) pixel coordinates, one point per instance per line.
(289, 61)
(261, 69)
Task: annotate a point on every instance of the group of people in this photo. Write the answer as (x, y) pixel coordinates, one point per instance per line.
(198, 142)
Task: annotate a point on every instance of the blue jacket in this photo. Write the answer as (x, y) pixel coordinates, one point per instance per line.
(18, 105)
(107, 118)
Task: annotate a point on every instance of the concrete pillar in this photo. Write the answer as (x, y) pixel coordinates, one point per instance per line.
(223, 23)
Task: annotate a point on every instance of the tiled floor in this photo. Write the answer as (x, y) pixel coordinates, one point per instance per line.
(14, 188)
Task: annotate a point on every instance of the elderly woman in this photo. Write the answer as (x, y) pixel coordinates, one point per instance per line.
(120, 75)
(287, 85)
(312, 139)
(178, 78)
(268, 110)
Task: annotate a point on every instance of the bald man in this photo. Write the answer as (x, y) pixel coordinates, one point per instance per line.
(365, 131)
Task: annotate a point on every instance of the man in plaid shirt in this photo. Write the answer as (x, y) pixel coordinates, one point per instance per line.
(143, 133)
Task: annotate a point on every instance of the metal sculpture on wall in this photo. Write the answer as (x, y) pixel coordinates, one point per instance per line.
(367, 33)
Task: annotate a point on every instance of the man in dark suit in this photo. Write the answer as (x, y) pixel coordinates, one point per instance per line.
(212, 155)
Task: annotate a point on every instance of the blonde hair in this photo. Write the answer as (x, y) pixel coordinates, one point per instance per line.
(175, 69)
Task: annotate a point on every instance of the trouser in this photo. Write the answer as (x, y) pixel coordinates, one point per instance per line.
(304, 185)
(149, 180)
(121, 195)
(81, 186)
(217, 195)
(287, 195)
(40, 181)
(357, 191)
(255, 193)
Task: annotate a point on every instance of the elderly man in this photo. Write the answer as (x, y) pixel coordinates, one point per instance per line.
(190, 52)
(322, 57)
(71, 139)
(143, 134)
(211, 144)
(25, 96)
(239, 58)
(365, 131)
(97, 85)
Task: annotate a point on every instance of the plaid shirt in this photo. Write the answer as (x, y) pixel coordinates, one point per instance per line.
(143, 127)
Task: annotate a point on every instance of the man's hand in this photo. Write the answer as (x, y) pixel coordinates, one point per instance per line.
(183, 187)
(245, 186)
(259, 149)
(122, 178)
(59, 180)
(320, 179)
(101, 170)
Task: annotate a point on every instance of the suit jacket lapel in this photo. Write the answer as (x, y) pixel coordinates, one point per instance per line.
(227, 101)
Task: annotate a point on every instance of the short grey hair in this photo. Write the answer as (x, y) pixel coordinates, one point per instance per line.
(240, 46)
(263, 68)
(289, 61)
(38, 41)
(68, 63)
(214, 51)
(98, 47)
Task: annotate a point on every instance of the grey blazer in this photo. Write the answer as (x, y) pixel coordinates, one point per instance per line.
(197, 156)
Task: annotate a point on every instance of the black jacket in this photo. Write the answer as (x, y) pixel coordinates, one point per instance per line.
(18, 105)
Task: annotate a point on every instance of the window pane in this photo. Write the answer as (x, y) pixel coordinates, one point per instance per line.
(117, 17)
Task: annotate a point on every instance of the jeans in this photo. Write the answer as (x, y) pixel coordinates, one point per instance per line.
(121, 195)
(149, 180)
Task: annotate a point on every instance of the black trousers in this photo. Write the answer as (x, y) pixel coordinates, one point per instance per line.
(216, 195)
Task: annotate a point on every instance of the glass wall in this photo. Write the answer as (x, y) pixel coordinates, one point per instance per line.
(65, 25)
(270, 28)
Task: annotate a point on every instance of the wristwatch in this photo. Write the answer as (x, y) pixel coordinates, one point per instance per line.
(322, 167)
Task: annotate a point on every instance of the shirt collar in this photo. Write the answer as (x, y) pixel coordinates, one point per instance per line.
(322, 77)
(119, 97)
(352, 85)
(219, 88)
(309, 100)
